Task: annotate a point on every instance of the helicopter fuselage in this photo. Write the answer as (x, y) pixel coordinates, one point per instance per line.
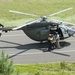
(37, 31)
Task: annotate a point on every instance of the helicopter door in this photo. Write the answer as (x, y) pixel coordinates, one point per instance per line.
(43, 34)
(64, 32)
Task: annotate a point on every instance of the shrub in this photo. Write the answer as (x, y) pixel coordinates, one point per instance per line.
(6, 66)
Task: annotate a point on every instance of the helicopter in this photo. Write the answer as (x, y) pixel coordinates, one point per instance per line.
(39, 29)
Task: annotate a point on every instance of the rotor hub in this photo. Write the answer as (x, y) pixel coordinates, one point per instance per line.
(44, 18)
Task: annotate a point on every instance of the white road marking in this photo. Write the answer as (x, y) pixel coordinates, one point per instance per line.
(28, 53)
(12, 35)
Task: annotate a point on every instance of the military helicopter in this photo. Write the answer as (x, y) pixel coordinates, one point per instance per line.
(39, 29)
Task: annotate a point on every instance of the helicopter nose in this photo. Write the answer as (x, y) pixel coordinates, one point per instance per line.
(71, 31)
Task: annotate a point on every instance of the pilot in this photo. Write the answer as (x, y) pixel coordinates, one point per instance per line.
(53, 28)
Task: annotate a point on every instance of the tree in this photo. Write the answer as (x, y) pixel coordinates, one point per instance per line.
(6, 66)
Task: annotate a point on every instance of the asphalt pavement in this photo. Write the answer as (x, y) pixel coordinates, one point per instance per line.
(24, 50)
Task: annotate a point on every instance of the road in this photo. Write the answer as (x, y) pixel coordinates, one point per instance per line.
(23, 50)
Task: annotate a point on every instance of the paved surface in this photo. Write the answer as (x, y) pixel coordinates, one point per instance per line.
(23, 50)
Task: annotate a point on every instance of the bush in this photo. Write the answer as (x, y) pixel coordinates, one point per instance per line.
(6, 66)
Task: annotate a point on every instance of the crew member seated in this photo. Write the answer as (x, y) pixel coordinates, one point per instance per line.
(53, 28)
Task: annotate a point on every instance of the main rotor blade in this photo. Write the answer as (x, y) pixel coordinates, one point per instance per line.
(60, 12)
(21, 13)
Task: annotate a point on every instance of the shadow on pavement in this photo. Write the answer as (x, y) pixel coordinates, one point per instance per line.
(40, 46)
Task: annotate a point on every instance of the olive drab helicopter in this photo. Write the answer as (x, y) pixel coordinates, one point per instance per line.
(39, 29)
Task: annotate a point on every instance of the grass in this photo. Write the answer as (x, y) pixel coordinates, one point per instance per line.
(62, 68)
(40, 8)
